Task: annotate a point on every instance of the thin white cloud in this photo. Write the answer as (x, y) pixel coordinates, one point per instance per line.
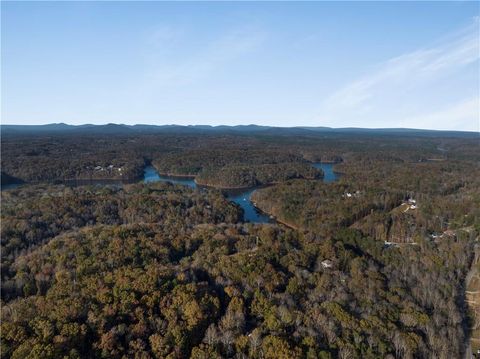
(405, 86)
(210, 57)
(463, 115)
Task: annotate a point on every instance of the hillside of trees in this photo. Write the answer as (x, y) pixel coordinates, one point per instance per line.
(373, 195)
(206, 290)
(371, 266)
(232, 176)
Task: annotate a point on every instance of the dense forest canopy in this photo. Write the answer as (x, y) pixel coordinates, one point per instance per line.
(370, 266)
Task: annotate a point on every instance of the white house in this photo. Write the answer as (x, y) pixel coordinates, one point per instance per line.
(327, 263)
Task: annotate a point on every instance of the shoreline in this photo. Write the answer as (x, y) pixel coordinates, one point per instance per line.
(258, 186)
(289, 225)
(176, 175)
(232, 188)
(327, 162)
(275, 218)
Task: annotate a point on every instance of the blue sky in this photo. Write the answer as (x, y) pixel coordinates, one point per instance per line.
(338, 64)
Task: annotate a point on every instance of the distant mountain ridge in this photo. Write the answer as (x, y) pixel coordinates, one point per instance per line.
(112, 128)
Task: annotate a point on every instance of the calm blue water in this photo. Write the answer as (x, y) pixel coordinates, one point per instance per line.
(6, 187)
(150, 174)
(239, 196)
(329, 175)
(242, 197)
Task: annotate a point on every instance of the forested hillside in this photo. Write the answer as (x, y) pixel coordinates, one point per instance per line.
(370, 266)
(392, 201)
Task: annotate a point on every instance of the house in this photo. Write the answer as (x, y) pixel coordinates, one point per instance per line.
(388, 244)
(327, 263)
(413, 206)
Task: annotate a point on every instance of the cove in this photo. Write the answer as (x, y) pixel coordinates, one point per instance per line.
(239, 196)
(242, 197)
(327, 168)
(150, 174)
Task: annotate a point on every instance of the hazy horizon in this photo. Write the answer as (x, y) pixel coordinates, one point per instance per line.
(318, 64)
(237, 125)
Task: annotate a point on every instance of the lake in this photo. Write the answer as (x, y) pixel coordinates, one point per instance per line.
(150, 174)
(327, 168)
(239, 196)
(242, 197)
